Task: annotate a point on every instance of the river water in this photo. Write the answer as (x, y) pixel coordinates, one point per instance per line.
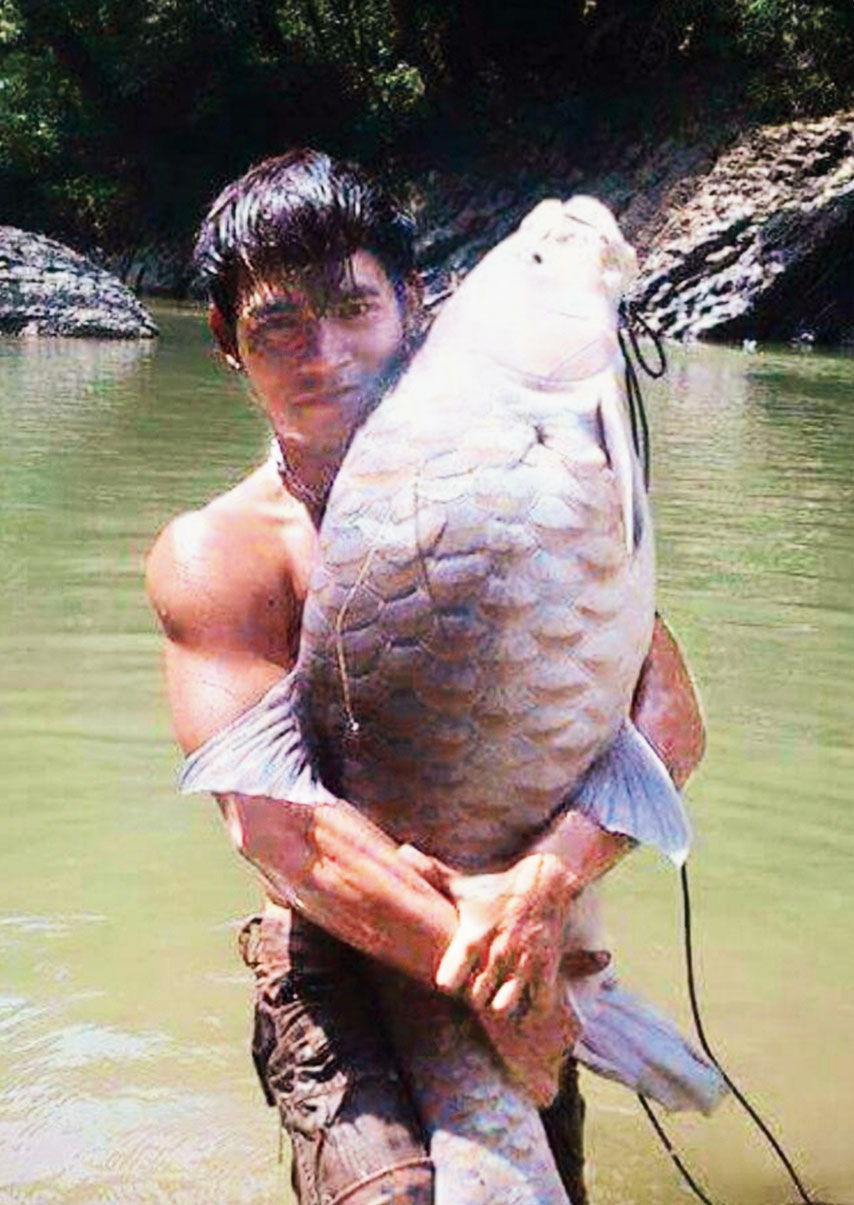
(124, 1012)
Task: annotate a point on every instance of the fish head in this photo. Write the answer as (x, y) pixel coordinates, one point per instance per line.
(543, 304)
(575, 250)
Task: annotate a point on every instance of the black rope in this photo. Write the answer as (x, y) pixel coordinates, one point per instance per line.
(734, 1089)
(701, 1034)
(668, 1146)
(631, 326)
(634, 319)
(631, 323)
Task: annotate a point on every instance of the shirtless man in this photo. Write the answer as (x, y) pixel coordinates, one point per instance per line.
(314, 298)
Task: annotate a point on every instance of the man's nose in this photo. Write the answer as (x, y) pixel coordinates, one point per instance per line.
(331, 344)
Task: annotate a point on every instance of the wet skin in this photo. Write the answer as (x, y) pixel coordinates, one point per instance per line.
(229, 583)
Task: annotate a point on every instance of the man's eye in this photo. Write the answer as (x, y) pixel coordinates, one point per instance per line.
(352, 307)
(287, 323)
(283, 333)
(288, 326)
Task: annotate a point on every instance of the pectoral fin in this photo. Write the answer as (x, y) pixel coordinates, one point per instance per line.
(261, 753)
(621, 456)
(628, 790)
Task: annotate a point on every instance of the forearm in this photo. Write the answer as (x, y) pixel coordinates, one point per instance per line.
(346, 875)
(350, 878)
(666, 708)
(579, 851)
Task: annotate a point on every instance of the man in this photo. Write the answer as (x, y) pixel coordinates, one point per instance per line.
(310, 271)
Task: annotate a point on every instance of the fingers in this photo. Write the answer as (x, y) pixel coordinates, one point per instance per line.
(436, 872)
(514, 988)
(510, 998)
(486, 985)
(459, 960)
(511, 988)
(508, 969)
(527, 994)
(508, 990)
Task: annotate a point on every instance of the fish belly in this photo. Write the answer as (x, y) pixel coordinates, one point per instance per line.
(473, 637)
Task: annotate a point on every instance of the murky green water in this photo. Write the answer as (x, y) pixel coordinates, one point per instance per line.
(123, 1009)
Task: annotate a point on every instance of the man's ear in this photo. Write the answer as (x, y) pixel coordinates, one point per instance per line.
(225, 337)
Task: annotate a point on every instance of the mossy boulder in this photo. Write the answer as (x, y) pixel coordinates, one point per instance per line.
(48, 289)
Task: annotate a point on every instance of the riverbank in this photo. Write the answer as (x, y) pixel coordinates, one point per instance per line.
(742, 233)
(745, 235)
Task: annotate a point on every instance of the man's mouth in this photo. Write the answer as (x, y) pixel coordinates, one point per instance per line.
(324, 395)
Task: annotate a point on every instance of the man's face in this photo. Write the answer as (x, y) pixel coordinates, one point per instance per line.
(314, 345)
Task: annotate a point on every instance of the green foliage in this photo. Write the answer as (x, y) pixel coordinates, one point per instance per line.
(119, 118)
(803, 51)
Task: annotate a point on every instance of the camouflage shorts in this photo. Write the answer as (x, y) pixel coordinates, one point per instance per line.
(323, 1061)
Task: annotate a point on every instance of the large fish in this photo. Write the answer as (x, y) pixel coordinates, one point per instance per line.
(470, 645)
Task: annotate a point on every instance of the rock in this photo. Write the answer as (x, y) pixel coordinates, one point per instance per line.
(752, 241)
(48, 289)
(462, 216)
(157, 269)
(748, 240)
(759, 251)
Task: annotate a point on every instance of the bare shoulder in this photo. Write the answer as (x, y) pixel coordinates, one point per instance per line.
(181, 567)
(234, 572)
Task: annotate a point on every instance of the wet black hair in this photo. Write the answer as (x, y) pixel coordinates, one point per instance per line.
(299, 210)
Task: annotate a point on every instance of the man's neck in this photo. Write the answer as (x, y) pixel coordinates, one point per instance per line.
(307, 478)
(308, 474)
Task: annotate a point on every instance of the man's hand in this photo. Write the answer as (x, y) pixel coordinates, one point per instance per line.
(508, 961)
(508, 955)
(513, 925)
(533, 1048)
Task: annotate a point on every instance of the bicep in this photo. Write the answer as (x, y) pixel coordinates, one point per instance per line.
(223, 647)
(209, 688)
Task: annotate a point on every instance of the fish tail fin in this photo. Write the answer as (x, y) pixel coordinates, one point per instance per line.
(628, 790)
(628, 1040)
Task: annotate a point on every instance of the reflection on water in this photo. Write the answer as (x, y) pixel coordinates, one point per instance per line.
(123, 1009)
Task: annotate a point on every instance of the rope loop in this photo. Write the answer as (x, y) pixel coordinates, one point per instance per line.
(632, 323)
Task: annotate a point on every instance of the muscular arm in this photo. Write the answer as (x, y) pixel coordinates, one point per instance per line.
(222, 653)
(226, 612)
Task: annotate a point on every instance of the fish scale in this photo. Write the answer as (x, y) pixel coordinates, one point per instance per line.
(472, 558)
